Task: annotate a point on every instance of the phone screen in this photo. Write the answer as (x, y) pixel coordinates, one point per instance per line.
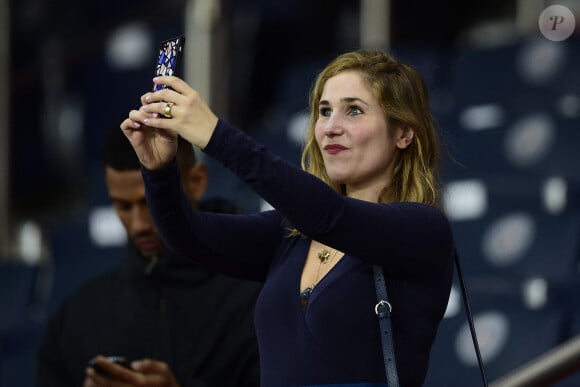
(169, 58)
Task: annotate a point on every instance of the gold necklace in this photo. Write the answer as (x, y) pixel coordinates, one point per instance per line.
(325, 256)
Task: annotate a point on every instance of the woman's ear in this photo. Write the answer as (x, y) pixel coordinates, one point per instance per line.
(404, 137)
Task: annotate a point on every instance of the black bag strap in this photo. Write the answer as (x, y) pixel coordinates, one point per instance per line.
(383, 311)
(470, 318)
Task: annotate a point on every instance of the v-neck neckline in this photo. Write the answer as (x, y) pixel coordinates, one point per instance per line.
(339, 269)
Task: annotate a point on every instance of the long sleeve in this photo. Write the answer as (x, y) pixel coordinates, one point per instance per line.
(412, 232)
(411, 241)
(223, 242)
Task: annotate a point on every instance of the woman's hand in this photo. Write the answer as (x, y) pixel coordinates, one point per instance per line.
(164, 114)
(155, 147)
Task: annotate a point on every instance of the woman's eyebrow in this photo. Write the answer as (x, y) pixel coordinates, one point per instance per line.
(345, 100)
(353, 99)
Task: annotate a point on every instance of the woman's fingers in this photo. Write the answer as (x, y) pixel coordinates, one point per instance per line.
(156, 110)
(177, 109)
(173, 82)
(177, 88)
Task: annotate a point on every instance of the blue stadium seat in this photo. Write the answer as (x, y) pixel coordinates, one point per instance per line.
(75, 256)
(18, 298)
(18, 352)
(509, 334)
(532, 144)
(520, 242)
(22, 315)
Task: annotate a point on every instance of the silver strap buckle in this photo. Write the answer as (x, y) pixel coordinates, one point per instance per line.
(379, 307)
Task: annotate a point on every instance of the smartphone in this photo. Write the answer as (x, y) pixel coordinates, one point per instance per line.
(113, 359)
(169, 58)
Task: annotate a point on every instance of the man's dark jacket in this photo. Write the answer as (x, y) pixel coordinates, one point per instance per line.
(199, 322)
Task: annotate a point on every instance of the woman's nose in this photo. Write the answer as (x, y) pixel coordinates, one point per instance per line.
(333, 125)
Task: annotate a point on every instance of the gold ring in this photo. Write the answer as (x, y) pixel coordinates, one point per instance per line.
(167, 110)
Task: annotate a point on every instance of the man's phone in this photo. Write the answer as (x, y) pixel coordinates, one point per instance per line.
(113, 359)
(169, 58)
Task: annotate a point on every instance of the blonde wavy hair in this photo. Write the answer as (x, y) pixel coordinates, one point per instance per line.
(402, 95)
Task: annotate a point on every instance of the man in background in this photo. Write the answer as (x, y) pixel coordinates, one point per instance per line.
(176, 323)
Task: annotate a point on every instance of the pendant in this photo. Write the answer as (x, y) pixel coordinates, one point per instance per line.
(324, 255)
(305, 294)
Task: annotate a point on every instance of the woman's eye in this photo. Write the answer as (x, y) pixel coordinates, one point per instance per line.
(355, 110)
(325, 112)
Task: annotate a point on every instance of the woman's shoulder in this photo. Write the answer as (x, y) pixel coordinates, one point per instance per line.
(426, 212)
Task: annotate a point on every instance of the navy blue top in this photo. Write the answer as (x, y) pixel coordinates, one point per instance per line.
(336, 339)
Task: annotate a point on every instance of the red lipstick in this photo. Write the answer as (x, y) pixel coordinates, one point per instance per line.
(334, 149)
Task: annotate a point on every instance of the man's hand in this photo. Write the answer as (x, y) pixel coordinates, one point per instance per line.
(143, 373)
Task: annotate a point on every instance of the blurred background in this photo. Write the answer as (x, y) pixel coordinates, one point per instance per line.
(504, 81)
